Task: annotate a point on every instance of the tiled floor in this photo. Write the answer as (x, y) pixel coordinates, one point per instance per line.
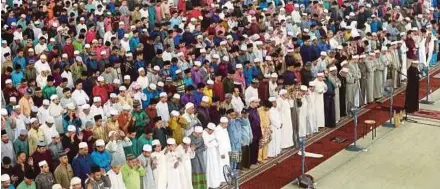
(403, 158)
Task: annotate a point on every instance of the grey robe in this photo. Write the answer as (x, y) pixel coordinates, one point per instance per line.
(8, 150)
(371, 65)
(337, 83)
(363, 82)
(378, 76)
(352, 87)
(198, 163)
(147, 181)
(395, 62)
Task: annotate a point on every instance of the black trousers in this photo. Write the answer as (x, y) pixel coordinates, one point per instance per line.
(245, 157)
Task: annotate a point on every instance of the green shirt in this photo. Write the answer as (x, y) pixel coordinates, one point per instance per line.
(21, 146)
(23, 185)
(77, 45)
(133, 149)
(132, 176)
(142, 118)
(141, 141)
(49, 91)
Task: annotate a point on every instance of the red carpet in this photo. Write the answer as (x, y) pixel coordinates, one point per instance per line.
(431, 114)
(289, 169)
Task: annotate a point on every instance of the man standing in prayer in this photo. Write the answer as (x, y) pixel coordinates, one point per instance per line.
(379, 61)
(221, 133)
(64, 172)
(329, 103)
(159, 165)
(132, 172)
(214, 170)
(303, 129)
(286, 119)
(186, 153)
(333, 78)
(116, 146)
(198, 163)
(173, 164)
(320, 89)
(115, 176)
(276, 125)
(82, 162)
(371, 66)
(235, 132)
(45, 179)
(412, 88)
(145, 159)
(7, 147)
(263, 113)
(353, 75)
(254, 120)
(98, 179)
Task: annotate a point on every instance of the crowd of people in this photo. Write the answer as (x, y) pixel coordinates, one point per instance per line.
(164, 94)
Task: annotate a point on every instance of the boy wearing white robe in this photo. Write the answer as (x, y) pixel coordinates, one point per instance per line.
(96, 108)
(43, 112)
(159, 165)
(275, 123)
(173, 164)
(116, 146)
(56, 111)
(115, 177)
(303, 112)
(221, 133)
(186, 153)
(214, 171)
(311, 118)
(162, 108)
(147, 181)
(320, 89)
(49, 129)
(284, 108)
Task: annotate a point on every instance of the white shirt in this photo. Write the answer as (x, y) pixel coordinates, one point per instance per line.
(18, 35)
(249, 93)
(43, 114)
(116, 180)
(39, 48)
(97, 111)
(237, 104)
(162, 111)
(143, 81)
(125, 44)
(108, 36)
(144, 13)
(80, 97)
(48, 132)
(68, 75)
(40, 66)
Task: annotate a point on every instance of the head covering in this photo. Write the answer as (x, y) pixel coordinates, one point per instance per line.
(211, 126)
(198, 129)
(147, 148)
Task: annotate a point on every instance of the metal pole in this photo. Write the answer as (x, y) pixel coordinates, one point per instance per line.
(303, 151)
(428, 91)
(390, 123)
(354, 147)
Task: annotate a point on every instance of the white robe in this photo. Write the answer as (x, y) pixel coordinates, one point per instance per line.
(116, 149)
(237, 104)
(222, 136)
(43, 114)
(320, 89)
(143, 81)
(422, 51)
(97, 111)
(214, 173)
(302, 118)
(249, 93)
(116, 180)
(162, 111)
(173, 176)
(275, 123)
(48, 132)
(80, 97)
(286, 120)
(147, 181)
(311, 118)
(185, 170)
(56, 111)
(273, 92)
(404, 68)
(160, 173)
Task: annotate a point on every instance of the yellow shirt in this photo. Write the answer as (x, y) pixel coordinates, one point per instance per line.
(99, 133)
(26, 106)
(34, 136)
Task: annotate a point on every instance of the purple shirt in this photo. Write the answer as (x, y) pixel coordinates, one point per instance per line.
(197, 77)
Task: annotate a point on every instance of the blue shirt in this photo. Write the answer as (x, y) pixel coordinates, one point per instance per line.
(134, 42)
(150, 95)
(173, 69)
(19, 60)
(16, 78)
(81, 166)
(102, 159)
